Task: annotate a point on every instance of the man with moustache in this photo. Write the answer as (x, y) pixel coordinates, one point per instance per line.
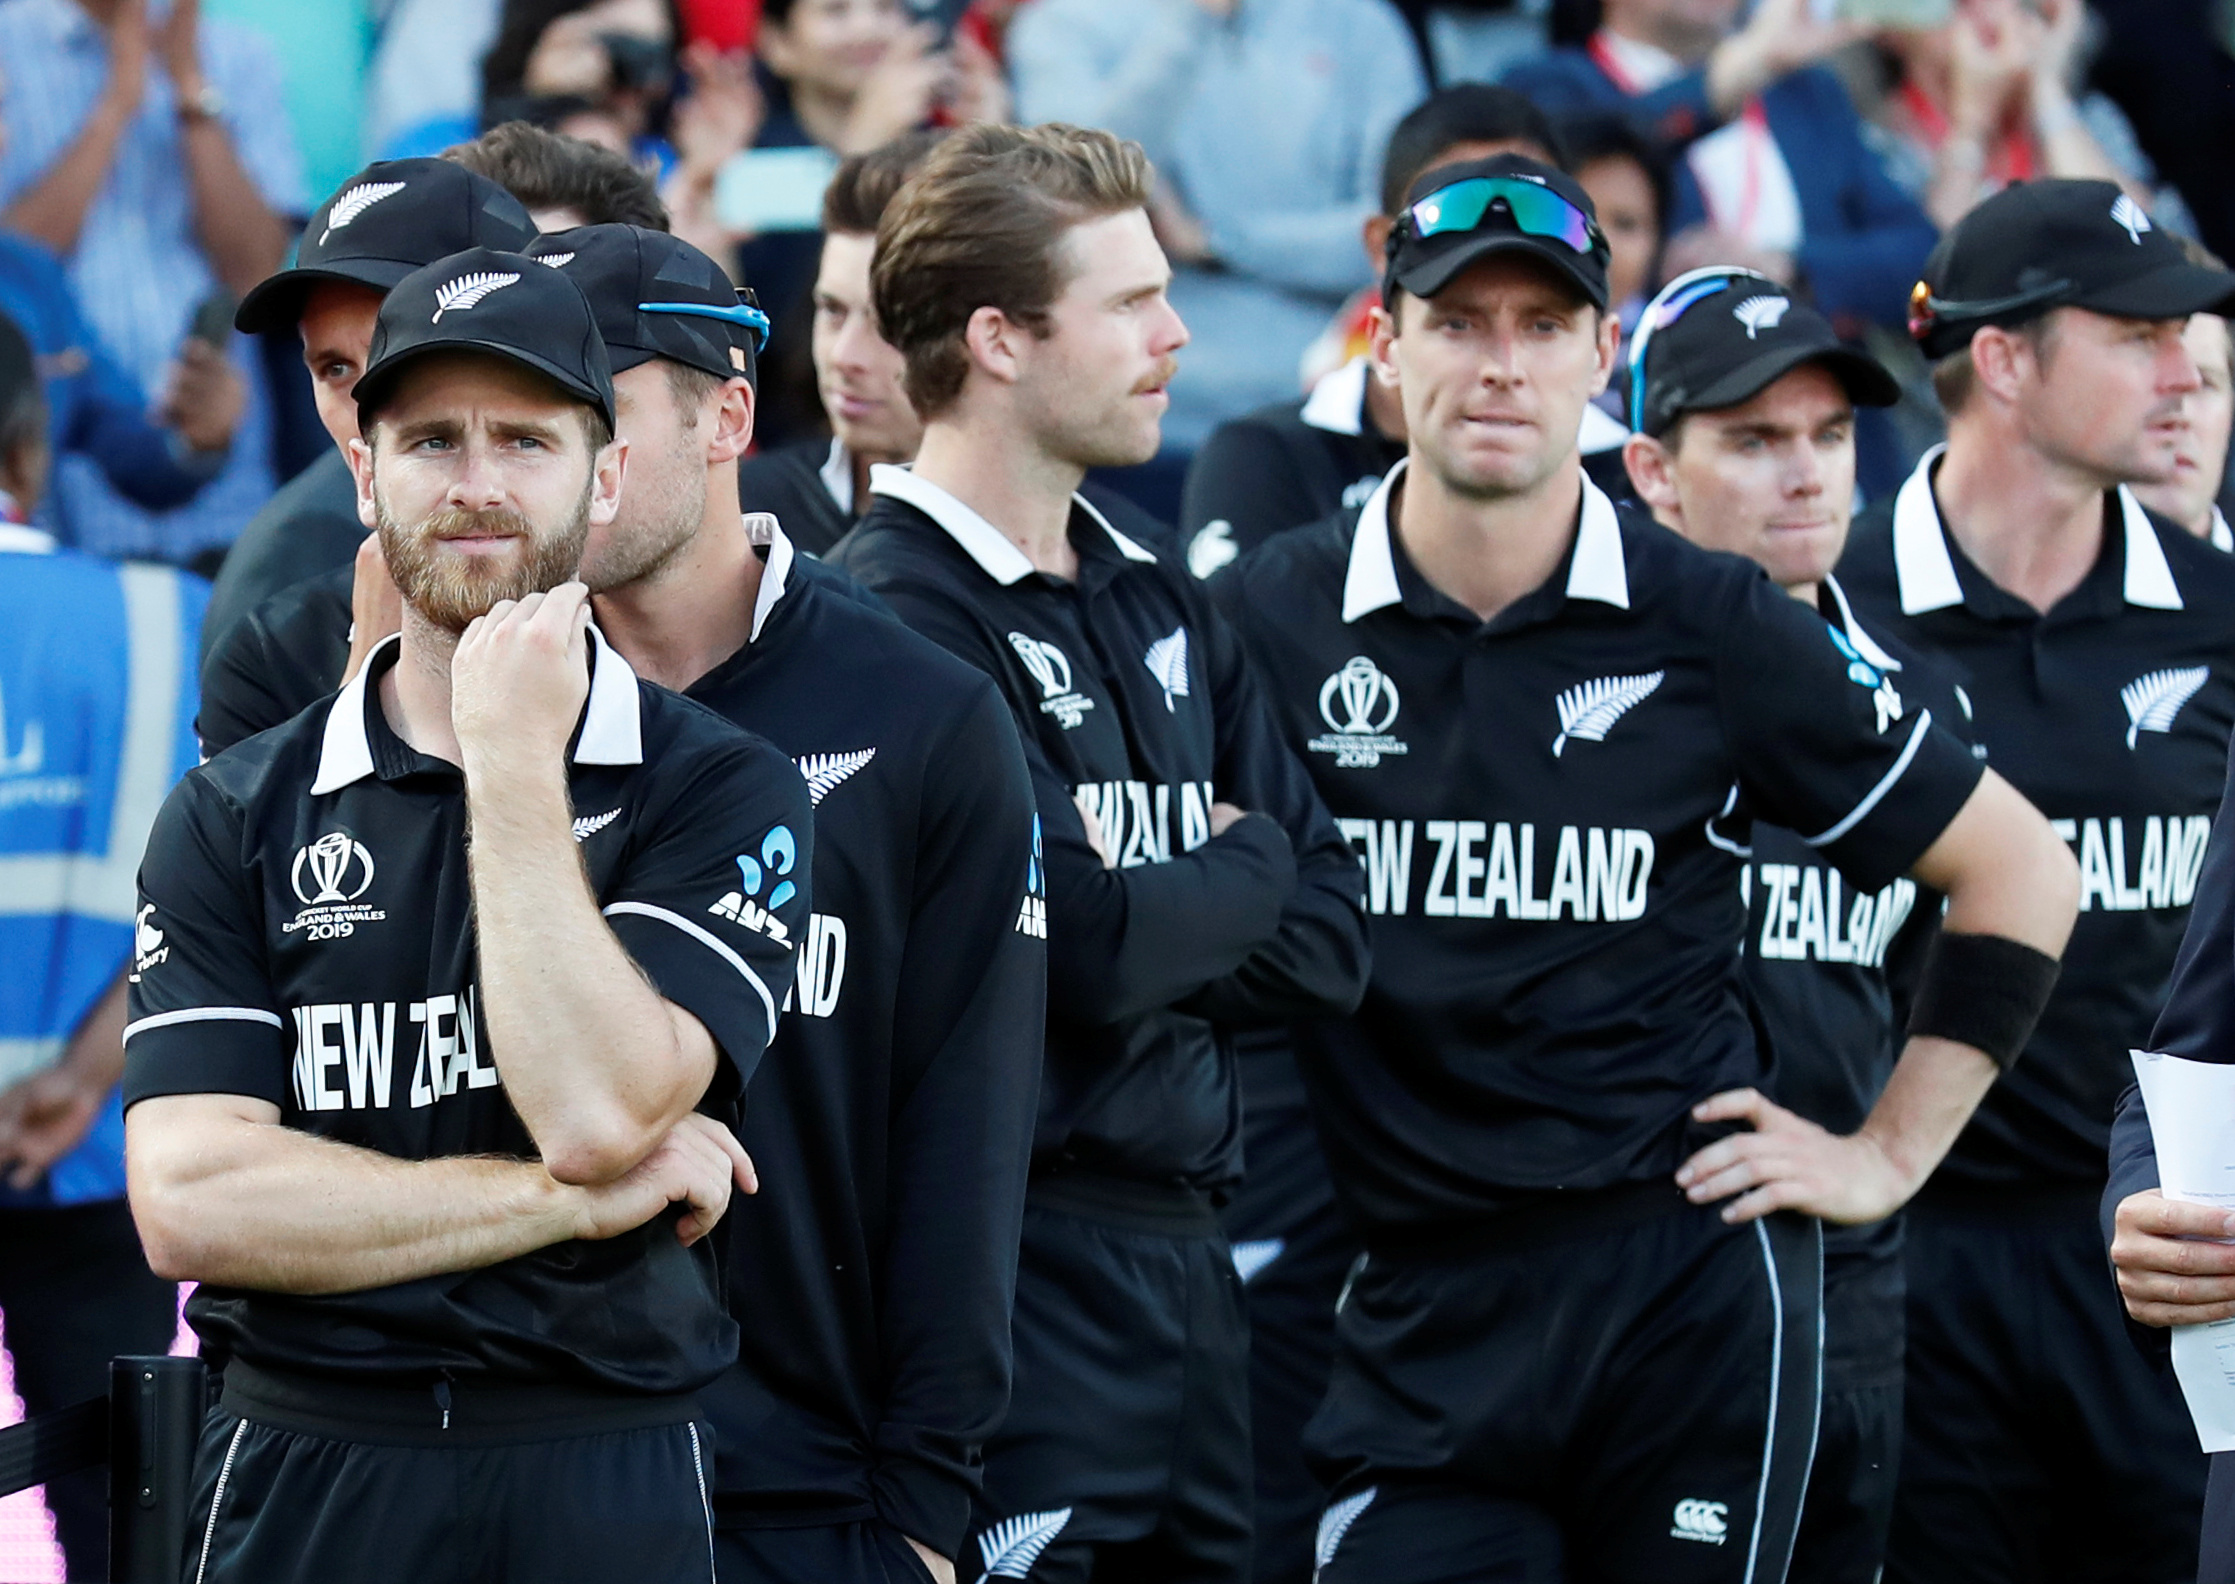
(1194, 883)
(1584, 1341)
(892, 1119)
(391, 218)
(2096, 644)
(440, 1132)
(819, 489)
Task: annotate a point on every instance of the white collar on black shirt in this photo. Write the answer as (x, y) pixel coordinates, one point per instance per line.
(2220, 537)
(837, 474)
(1337, 403)
(1596, 571)
(1926, 572)
(762, 528)
(612, 733)
(988, 545)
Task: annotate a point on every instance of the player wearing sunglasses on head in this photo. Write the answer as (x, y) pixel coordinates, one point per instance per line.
(1548, 727)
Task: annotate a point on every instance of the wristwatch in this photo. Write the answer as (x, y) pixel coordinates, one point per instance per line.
(205, 103)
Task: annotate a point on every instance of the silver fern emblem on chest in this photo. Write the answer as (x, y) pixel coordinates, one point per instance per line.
(824, 771)
(467, 290)
(1589, 710)
(1167, 662)
(590, 824)
(2152, 701)
(1335, 1522)
(355, 202)
(1012, 1546)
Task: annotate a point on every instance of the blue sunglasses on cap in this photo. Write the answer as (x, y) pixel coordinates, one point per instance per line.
(1535, 210)
(743, 314)
(1670, 304)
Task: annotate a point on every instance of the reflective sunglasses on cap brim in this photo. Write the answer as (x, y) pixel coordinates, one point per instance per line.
(1535, 211)
(1670, 304)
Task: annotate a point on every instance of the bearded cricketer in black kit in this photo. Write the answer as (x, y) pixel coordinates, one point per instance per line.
(441, 1129)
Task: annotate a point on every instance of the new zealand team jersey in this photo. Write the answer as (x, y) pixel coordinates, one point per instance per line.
(891, 1121)
(1135, 705)
(305, 936)
(2112, 713)
(1553, 810)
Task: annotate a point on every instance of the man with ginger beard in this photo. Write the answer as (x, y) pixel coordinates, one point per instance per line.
(471, 1258)
(389, 219)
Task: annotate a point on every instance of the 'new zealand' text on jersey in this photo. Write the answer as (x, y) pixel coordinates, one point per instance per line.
(305, 937)
(1553, 810)
(2112, 714)
(1136, 708)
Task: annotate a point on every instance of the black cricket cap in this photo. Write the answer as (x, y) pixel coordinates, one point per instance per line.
(505, 304)
(386, 221)
(1732, 336)
(2056, 243)
(656, 296)
(1565, 234)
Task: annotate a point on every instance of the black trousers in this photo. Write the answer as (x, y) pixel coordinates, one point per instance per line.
(1858, 1445)
(851, 1553)
(2039, 1447)
(77, 1292)
(1125, 1456)
(1628, 1396)
(1293, 1247)
(302, 1483)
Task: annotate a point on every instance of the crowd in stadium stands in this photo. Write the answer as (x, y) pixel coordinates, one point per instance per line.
(172, 462)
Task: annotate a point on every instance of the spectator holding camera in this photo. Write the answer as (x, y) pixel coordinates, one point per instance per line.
(149, 151)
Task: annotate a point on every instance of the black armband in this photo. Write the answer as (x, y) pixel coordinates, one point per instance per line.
(1985, 991)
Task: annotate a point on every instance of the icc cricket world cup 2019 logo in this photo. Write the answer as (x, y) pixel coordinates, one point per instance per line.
(333, 861)
(1359, 705)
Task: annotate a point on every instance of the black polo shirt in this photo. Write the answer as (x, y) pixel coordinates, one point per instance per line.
(1553, 810)
(891, 1120)
(2112, 713)
(1824, 963)
(1134, 701)
(1294, 463)
(306, 938)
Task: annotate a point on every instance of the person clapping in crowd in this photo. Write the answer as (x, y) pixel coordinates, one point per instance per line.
(152, 155)
(1989, 98)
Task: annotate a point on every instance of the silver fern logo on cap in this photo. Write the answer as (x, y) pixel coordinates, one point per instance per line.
(2131, 216)
(355, 202)
(468, 290)
(1761, 313)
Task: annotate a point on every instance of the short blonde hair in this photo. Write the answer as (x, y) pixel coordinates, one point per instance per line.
(979, 226)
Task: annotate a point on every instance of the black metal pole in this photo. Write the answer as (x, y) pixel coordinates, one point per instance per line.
(156, 1406)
